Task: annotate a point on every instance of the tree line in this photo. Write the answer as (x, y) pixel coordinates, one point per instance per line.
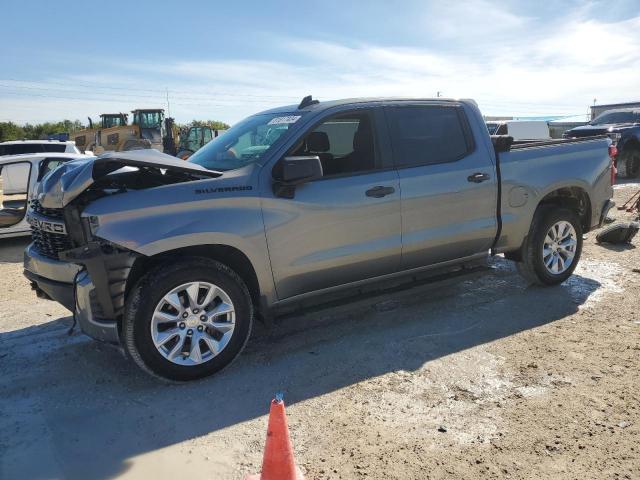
(12, 131)
(28, 131)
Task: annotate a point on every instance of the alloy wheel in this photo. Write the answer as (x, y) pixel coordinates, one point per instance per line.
(193, 323)
(559, 248)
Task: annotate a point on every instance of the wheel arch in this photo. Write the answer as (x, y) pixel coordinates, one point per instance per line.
(230, 256)
(574, 198)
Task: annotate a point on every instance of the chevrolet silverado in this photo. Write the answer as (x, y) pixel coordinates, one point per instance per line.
(174, 260)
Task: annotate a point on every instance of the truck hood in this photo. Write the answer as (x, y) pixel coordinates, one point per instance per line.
(69, 180)
(593, 130)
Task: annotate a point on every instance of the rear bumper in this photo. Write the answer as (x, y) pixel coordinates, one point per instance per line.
(70, 285)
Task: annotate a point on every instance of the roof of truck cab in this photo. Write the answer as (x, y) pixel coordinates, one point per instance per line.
(323, 105)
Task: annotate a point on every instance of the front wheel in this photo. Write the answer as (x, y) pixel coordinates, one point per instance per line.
(552, 249)
(188, 320)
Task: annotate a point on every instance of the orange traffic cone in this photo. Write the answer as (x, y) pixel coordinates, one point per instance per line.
(278, 462)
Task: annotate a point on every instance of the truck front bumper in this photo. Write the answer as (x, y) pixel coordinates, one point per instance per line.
(70, 285)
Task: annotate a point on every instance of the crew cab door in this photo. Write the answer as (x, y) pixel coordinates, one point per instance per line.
(15, 179)
(448, 183)
(345, 226)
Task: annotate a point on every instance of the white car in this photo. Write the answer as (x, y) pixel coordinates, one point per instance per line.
(520, 129)
(19, 178)
(19, 147)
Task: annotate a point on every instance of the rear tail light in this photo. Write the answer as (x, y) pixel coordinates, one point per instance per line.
(613, 153)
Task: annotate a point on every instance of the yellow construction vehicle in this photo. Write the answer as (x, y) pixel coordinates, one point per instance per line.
(86, 139)
(146, 131)
(149, 129)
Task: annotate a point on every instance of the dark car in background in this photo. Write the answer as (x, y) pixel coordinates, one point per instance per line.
(623, 127)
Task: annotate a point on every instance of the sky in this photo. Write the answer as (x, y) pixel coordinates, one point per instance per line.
(226, 60)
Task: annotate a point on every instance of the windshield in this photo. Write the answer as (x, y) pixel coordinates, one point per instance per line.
(617, 117)
(151, 119)
(245, 142)
(109, 121)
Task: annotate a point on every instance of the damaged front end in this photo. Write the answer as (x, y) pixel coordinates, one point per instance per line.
(66, 261)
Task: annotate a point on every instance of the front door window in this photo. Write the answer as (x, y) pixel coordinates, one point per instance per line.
(344, 144)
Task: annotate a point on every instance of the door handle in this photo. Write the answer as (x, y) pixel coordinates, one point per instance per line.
(478, 177)
(379, 191)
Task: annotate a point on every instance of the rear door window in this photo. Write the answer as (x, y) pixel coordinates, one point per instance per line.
(54, 147)
(428, 134)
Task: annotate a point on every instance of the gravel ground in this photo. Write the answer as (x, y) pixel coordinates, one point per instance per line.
(476, 377)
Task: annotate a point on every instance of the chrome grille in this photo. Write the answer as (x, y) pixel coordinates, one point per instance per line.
(47, 212)
(47, 243)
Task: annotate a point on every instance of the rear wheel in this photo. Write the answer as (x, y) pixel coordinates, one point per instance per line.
(552, 249)
(188, 320)
(629, 163)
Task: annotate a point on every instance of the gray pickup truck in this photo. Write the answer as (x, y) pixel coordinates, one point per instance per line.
(173, 260)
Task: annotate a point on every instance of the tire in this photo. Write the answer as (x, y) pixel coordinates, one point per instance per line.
(143, 307)
(534, 264)
(629, 163)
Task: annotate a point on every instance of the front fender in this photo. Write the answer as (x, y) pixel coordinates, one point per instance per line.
(234, 221)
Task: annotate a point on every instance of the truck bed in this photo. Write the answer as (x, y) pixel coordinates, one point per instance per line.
(530, 170)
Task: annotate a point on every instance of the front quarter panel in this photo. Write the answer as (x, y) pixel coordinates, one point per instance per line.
(223, 211)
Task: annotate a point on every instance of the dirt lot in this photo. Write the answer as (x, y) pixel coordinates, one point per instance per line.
(481, 377)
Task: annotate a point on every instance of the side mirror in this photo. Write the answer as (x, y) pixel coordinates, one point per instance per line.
(295, 171)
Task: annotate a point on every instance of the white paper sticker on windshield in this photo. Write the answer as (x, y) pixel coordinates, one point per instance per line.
(282, 120)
